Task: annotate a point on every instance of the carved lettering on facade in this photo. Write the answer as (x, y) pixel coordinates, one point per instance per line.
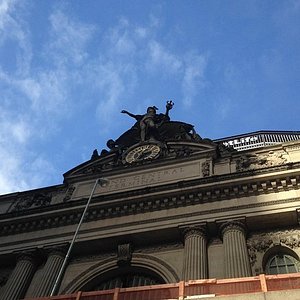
(140, 180)
(143, 179)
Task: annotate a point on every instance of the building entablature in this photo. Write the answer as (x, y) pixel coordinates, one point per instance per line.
(216, 198)
(180, 184)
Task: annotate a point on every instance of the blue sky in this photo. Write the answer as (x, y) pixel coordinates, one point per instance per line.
(67, 69)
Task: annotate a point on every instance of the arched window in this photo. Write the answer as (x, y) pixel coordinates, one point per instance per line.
(282, 263)
(127, 280)
(123, 278)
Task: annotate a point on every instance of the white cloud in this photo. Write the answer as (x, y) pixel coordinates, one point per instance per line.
(193, 79)
(69, 39)
(161, 58)
(120, 40)
(223, 107)
(12, 28)
(44, 96)
(16, 163)
(112, 86)
(141, 32)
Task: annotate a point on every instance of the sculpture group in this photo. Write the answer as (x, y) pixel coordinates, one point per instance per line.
(149, 123)
(151, 127)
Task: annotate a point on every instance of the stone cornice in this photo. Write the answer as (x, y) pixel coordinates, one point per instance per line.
(181, 194)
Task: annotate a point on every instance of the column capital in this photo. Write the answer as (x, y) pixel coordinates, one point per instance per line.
(59, 250)
(194, 230)
(31, 255)
(235, 224)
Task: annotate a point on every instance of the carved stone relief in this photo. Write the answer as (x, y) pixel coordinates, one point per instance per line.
(205, 168)
(258, 244)
(257, 161)
(69, 193)
(31, 201)
(124, 254)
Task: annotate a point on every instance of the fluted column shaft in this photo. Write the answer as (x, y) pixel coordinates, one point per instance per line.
(49, 273)
(195, 254)
(19, 280)
(235, 250)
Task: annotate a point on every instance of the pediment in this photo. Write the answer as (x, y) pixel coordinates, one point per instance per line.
(114, 162)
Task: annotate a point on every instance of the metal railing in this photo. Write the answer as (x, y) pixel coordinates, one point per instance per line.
(259, 139)
(191, 289)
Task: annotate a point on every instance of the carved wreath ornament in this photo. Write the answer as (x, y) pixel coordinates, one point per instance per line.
(254, 161)
(261, 243)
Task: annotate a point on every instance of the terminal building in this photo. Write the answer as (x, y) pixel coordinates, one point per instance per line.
(168, 209)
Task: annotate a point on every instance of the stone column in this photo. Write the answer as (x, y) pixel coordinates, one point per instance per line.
(195, 253)
(50, 271)
(19, 280)
(235, 250)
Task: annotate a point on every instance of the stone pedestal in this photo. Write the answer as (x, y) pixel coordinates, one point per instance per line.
(195, 253)
(235, 250)
(50, 271)
(19, 280)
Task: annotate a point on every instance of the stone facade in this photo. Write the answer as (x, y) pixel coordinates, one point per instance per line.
(195, 212)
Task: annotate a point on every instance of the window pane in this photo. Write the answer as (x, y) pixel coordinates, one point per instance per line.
(281, 264)
(280, 260)
(282, 270)
(272, 271)
(292, 269)
(273, 262)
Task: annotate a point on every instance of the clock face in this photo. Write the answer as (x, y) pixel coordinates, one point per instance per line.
(142, 152)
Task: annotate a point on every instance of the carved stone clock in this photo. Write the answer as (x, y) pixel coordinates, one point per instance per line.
(142, 152)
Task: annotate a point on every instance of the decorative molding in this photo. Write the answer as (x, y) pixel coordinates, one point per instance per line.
(69, 193)
(138, 260)
(205, 168)
(108, 212)
(104, 209)
(124, 254)
(214, 192)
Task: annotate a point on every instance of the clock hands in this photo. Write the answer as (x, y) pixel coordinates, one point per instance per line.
(142, 152)
(145, 154)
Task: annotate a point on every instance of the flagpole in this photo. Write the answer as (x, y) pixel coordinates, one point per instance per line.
(62, 269)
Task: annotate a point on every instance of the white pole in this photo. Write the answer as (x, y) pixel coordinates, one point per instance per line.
(62, 269)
